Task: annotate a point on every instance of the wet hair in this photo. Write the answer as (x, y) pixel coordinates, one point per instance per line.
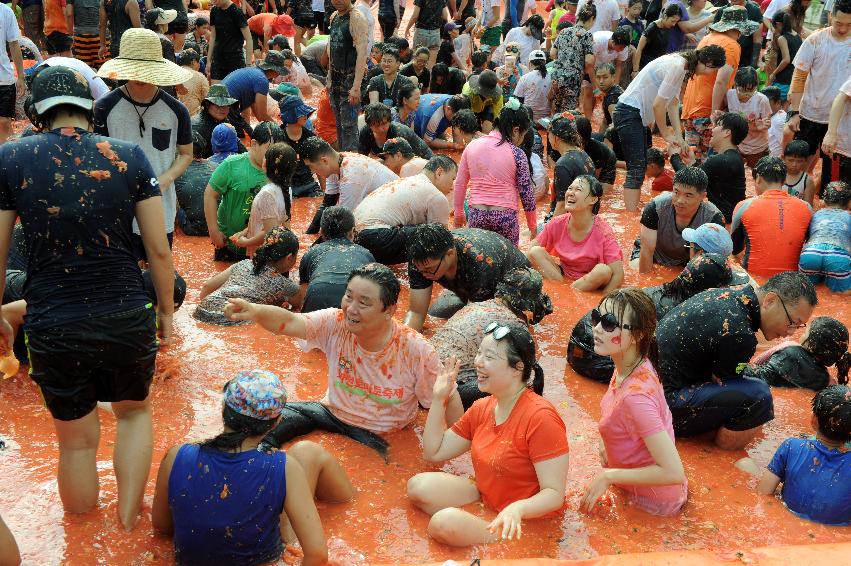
(383, 277)
(266, 132)
(466, 121)
(837, 193)
(478, 59)
(202, 21)
(421, 51)
(187, 56)
(281, 163)
(827, 342)
(406, 91)
(439, 70)
(712, 56)
(315, 147)
(771, 169)
(584, 129)
(595, 189)
(540, 66)
(399, 43)
(279, 42)
(429, 241)
(643, 319)
(655, 157)
(672, 10)
(797, 148)
(785, 19)
(565, 129)
(746, 77)
(737, 124)
(693, 177)
(336, 222)
(242, 426)
(791, 287)
(393, 52)
(520, 348)
(705, 271)
(608, 67)
(278, 244)
(376, 113)
(832, 405)
(521, 289)
(622, 36)
(509, 119)
(440, 162)
(457, 101)
(843, 6)
(587, 13)
(772, 93)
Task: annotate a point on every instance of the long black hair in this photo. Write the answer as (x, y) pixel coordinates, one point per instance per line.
(278, 244)
(241, 426)
(510, 118)
(520, 347)
(827, 343)
(281, 163)
(712, 56)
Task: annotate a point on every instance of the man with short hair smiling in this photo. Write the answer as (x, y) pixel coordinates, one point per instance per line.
(705, 344)
(667, 215)
(379, 128)
(771, 227)
(378, 370)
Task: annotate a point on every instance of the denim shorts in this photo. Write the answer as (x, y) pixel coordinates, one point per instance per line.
(737, 404)
(426, 38)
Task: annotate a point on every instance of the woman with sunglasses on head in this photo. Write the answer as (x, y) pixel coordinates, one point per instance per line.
(638, 451)
(517, 441)
(519, 297)
(584, 243)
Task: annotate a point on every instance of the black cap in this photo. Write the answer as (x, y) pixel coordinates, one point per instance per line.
(57, 85)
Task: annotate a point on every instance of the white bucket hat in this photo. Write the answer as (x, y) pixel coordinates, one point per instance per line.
(140, 58)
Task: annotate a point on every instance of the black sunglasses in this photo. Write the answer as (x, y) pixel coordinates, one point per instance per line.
(499, 332)
(608, 321)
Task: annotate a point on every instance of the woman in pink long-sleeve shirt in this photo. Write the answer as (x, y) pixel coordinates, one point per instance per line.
(497, 171)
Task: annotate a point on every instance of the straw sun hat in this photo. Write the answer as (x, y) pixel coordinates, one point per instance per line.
(140, 58)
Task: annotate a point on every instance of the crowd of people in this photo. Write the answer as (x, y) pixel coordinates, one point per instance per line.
(149, 116)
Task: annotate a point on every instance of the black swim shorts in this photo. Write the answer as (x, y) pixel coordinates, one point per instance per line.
(109, 358)
(8, 96)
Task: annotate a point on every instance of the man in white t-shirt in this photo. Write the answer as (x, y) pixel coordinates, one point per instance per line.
(822, 65)
(379, 371)
(609, 47)
(608, 14)
(10, 86)
(837, 140)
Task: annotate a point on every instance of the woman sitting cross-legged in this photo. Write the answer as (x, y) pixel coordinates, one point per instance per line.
(584, 244)
(637, 451)
(517, 440)
(226, 502)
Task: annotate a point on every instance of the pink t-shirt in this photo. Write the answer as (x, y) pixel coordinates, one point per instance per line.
(378, 391)
(491, 172)
(630, 413)
(579, 258)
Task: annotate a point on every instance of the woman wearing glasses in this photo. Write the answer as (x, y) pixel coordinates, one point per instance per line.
(637, 450)
(517, 440)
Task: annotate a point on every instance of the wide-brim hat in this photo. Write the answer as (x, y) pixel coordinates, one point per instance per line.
(735, 17)
(140, 58)
(219, 95)
(486, 85)
(274, 61)
(166, 16)
(292, 108)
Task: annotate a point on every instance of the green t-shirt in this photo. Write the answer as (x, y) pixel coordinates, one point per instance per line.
(238, 181)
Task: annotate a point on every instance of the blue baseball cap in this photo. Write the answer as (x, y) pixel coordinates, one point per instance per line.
(293, 108)
(712, 238)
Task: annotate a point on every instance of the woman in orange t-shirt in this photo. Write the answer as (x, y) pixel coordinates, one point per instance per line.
(517, 440)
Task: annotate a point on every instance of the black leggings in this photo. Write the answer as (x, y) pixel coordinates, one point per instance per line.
(303, 417)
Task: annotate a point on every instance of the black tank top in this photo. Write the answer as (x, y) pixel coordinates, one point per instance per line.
(794, 43)
(343, 54)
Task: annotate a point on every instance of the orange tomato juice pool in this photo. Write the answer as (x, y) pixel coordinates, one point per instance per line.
(723, 512)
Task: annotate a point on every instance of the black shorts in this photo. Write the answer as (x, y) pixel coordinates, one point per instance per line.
(8, 97)
(321, 295)
(257, 41)
(319, 18)
(57, 42)
(812, 133)
(109, 358)
(223, 66)
(180, 24)
(388, 245)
